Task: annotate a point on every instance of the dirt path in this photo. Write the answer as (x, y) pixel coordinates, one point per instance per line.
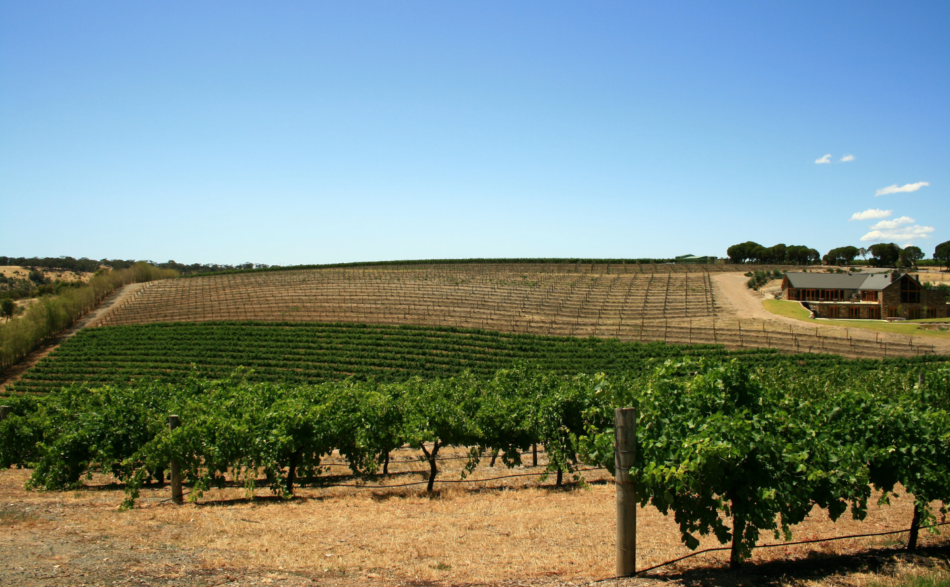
(733, 294)
(113, 301)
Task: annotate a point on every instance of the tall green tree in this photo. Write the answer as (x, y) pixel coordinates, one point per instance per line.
(910, 255)
(841, 255)
(885, 254)
(7, 308)
(942, 254)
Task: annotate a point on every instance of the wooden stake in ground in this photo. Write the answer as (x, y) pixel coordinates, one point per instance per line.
(625, 454)
(173, 422)
(4, 412)
(914, 529)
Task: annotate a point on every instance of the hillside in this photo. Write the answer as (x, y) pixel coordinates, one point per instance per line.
(678, 304)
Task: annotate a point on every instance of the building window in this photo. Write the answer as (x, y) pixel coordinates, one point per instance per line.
(874, 313)
(854, 312)
(869, 296)
(910, 291)
(833, 311)
(914, 313)
(892, 312)
(931, 312)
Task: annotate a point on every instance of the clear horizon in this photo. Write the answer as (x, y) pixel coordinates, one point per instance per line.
(323, 133)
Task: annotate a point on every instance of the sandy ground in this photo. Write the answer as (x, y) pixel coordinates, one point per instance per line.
(113, 301)
(53, 274)
(934, 277)
(509, 532)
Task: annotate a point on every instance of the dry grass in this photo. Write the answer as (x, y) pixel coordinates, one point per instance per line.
(18, 272)
(515, 531)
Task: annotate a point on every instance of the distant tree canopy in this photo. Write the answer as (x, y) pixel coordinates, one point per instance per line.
(754, 252)
(882, 254)
(885, 255)
(85, 265)
(942, 254)
(841, 256)
(910, 255)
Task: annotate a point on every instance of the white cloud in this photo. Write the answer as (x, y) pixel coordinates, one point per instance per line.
(871, 214)
(847, 158)
(889, 224)
(825, 159)
(907, 187)
(904, 233)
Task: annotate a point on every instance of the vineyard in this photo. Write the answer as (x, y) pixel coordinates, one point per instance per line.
(300, 353)
(732, 452)
(420, 378)
(631, 302)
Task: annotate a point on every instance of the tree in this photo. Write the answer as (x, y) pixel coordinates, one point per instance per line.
(841, 256)
(776, 254)
(910, 255)
(743, 251)
(7, 307)
(864, 253)
(885, 255)
(942, 254)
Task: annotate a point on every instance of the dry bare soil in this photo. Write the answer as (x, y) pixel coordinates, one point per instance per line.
(504, 532)
(51, 274)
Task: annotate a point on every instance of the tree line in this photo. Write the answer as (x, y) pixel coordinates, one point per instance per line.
(878, 255)
(780, 254)
(86, 265)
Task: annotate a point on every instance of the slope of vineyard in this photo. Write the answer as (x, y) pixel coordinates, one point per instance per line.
(556, 299)
(671, 303)
(313, 353)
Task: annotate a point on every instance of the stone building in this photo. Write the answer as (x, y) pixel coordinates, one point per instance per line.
(868, 296)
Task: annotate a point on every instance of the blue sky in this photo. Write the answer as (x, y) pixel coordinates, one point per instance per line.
(316, 132)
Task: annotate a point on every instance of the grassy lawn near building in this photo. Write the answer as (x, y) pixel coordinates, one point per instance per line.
(787, 309)
(908, 327)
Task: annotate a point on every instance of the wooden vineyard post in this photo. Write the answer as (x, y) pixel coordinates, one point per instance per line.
(625, 454)
(534, 455)
(914, 529)
(4, 412)
(174, 422)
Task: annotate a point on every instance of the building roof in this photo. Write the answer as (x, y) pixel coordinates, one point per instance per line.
(876, 282)
(858, 281)
(828, 280)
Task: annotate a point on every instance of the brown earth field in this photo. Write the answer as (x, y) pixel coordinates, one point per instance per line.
(514, 531)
